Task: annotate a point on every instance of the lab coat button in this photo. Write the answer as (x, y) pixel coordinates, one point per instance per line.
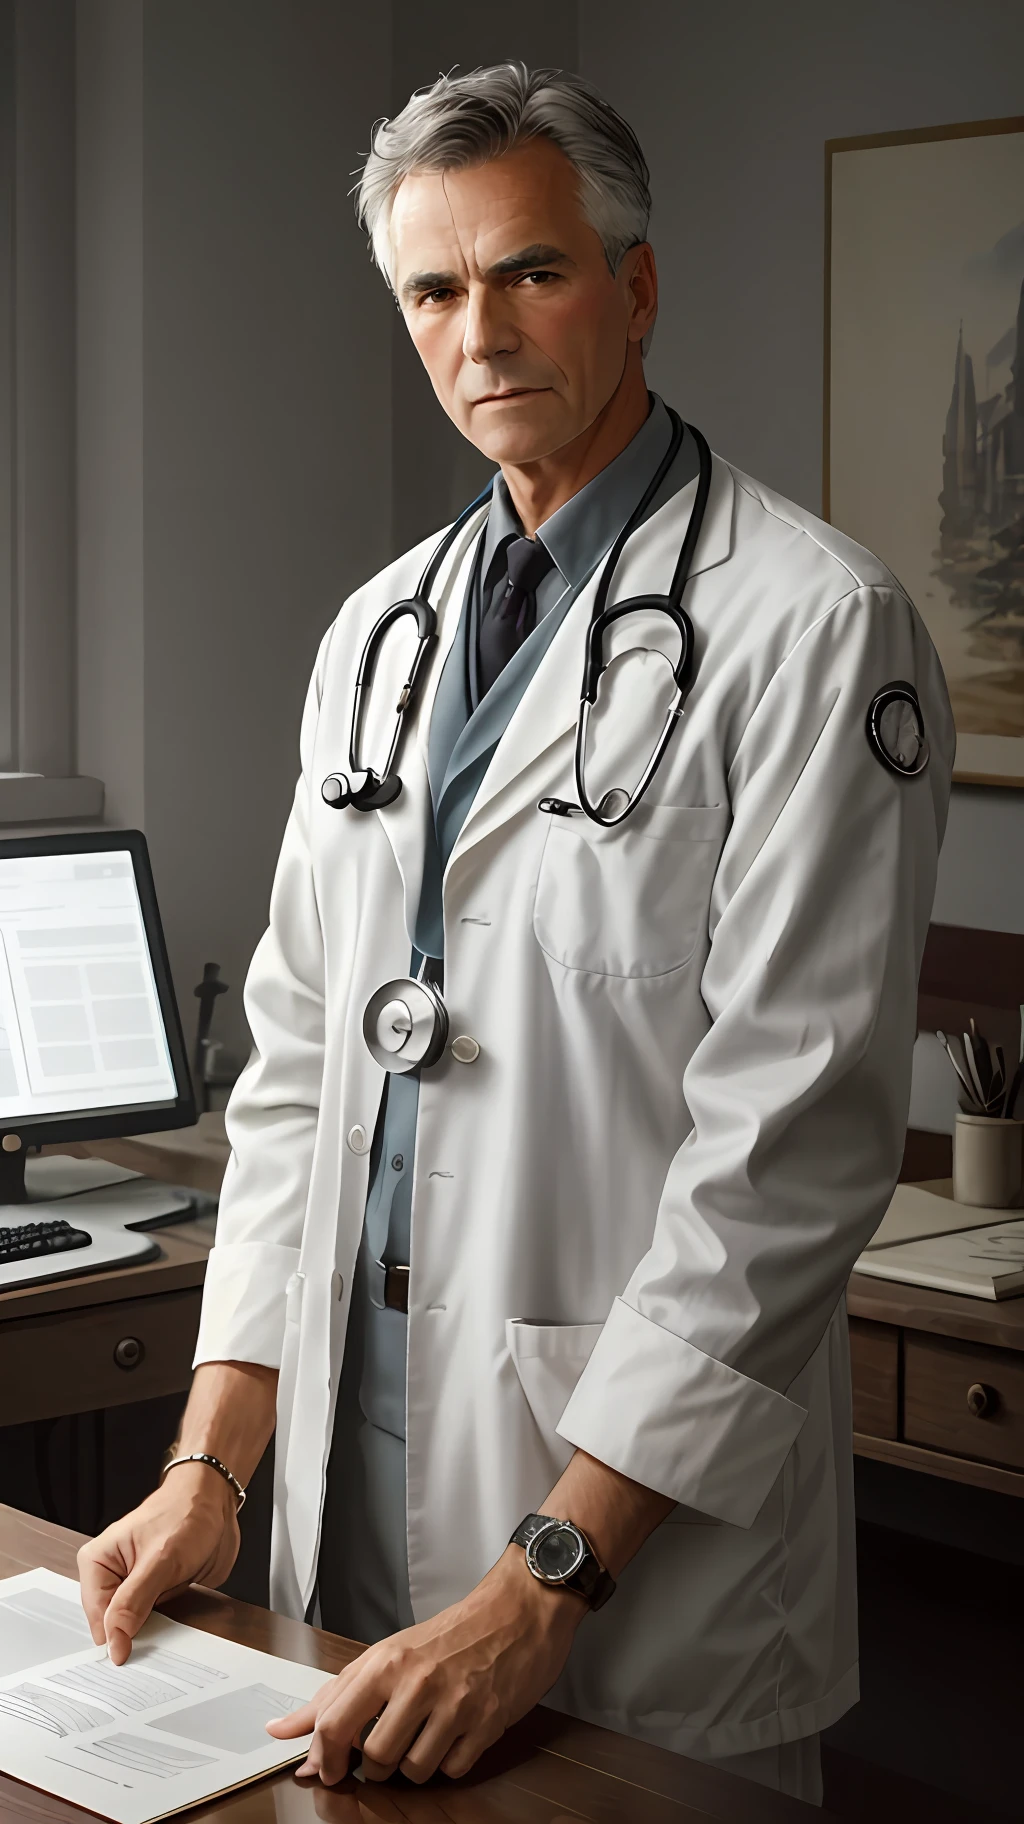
(358, 1139)
(465, 1049)
(337, 1286)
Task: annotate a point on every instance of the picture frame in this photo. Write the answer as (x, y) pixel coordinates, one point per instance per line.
(923, 445)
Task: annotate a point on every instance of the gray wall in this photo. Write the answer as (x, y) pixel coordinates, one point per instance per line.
(111, 735)
(733, 111)
(234, 398)
(266, 389)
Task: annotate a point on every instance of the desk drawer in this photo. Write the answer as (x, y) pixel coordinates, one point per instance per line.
(963, 1398)
(97, 1355)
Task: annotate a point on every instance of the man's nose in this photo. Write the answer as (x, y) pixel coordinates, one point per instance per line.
(490, 329)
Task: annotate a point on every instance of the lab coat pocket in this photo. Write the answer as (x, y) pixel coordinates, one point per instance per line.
(630, 901)
(549, 1359)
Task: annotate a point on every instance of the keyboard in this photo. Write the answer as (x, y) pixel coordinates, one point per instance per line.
(64, 1237)
(31, 1239)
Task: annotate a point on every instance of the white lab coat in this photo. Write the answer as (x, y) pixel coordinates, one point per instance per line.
(634, 1215)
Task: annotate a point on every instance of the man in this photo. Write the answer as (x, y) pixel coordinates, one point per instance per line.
(590, 1265)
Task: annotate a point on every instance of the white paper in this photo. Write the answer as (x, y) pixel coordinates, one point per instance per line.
(60, 1175)
(983, 1262)
(182, 1721)
(915, 1214)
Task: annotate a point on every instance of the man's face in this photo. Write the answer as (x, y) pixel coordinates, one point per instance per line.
(507, 295)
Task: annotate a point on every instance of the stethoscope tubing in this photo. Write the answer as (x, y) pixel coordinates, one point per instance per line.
(363, 789)
(604, 617)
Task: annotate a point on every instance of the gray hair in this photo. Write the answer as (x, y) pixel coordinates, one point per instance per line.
(459, 121)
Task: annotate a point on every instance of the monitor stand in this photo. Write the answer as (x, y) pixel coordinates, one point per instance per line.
(56, 1176)
(13, 1188)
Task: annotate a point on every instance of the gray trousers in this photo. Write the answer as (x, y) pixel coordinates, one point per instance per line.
(362, 1573)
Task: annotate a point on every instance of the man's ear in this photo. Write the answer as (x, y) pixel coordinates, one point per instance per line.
(641, 275)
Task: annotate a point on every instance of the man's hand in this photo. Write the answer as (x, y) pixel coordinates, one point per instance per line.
(185, 1532)
(439, 1693)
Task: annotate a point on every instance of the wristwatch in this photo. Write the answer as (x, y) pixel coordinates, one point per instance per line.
(558, 1554)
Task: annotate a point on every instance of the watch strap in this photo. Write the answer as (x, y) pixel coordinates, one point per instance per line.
(529, 1528)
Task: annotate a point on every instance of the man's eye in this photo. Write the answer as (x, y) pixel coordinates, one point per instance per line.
(540, 278)
(439, 295)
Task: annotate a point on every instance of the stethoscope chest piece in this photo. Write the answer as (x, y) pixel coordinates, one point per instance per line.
(405, 1025)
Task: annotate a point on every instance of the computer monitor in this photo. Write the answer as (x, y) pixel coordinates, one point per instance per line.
(90, 1039)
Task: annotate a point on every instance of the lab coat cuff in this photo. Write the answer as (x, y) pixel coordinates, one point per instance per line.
(244, 1303)
(660, 1411)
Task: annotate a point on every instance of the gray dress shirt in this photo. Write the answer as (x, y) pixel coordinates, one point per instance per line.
(362, 1573)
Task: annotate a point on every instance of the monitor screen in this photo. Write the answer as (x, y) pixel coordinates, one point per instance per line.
(85, 1027)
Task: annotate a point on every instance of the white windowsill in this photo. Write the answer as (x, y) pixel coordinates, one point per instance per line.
(34, 798)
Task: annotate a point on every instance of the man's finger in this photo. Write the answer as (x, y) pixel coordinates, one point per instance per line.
(402, 1723)
(438, 1736)
(466, 1751)
(297, 1722)
(340, 1724)
(99, 1577)
(132, 1603)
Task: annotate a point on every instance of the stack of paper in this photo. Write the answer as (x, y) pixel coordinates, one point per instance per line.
(183, 1721)
(984, 1262)
(925, 1239)
(916, 1213)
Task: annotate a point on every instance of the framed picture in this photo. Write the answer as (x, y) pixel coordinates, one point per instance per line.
(924, 401)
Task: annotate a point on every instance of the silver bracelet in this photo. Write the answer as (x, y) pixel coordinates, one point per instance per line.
(202, 1456)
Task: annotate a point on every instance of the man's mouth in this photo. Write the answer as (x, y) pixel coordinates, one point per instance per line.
(510, 392)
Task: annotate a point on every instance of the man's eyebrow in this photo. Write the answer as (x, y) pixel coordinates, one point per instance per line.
(428, 281)
(540, 254)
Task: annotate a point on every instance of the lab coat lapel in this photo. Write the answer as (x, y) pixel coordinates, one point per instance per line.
(548, 710)
(407, 821)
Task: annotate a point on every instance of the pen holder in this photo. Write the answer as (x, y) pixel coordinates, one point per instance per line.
(988, 1161)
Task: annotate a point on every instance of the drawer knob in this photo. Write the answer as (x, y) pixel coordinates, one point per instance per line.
(981, 1400)
(129, 1352)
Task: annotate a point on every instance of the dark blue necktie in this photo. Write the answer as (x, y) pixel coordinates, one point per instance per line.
(511, 616)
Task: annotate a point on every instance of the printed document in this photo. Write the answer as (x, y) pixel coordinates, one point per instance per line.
(184, 1720)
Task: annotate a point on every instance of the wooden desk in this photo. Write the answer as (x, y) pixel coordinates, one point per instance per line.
(916, 1354)
(60, 1341)
(548, 1770)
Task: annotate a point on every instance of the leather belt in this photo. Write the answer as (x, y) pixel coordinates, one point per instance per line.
(389, 1287)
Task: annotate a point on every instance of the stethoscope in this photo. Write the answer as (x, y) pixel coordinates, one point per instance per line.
(362, 789)
(406, 1023)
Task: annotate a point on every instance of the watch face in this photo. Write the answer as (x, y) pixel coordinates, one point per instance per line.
(556, 1553)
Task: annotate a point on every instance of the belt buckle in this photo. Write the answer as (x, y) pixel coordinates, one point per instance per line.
(396, 1289)
(389, 1287)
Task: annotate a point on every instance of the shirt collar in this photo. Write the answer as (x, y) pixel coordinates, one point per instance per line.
(579, 534)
